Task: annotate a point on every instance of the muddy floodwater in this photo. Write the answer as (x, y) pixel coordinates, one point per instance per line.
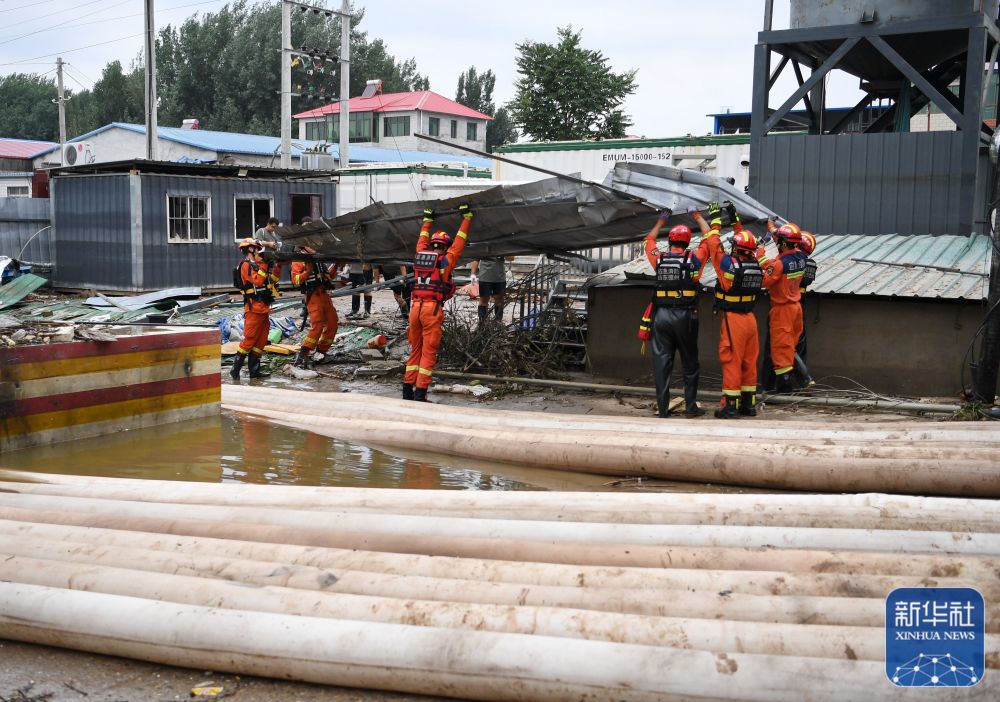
(233, 447)
(237, 448)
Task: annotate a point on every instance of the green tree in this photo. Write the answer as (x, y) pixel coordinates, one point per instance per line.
(475, 90)
(566, 92)
(28, 112)
(224, 68)
(118, 96)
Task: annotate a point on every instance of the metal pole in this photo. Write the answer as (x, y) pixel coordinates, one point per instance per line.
(151, 130)
(988, 366)
(61, 103)
(286, 84)
(768, 14)
(345, 84)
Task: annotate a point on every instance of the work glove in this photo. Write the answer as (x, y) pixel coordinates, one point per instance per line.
(665, 214)
(694, 212)
(734, 216)
(714, 213)
(465, 211)
(428, 215)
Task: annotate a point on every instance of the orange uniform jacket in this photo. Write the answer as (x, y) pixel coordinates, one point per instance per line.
(256, 323)
(426, 316)
(785, 318)
(323, 320)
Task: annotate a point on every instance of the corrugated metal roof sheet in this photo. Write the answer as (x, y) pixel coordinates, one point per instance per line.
(258, 145)
(398, 102)
(24, 148)
(945, 267)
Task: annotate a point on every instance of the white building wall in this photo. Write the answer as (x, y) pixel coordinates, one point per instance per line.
(358, 190)
(931, 122)
(12, 185)
(420, 124)
(721, 160)
(119, 144)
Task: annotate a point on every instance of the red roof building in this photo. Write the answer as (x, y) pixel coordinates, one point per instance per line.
(393, 120)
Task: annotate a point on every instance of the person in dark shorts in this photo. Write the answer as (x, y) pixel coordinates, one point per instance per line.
(361, 274)
(492, 278)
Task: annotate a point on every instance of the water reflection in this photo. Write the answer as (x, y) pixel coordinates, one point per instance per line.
(239, 448)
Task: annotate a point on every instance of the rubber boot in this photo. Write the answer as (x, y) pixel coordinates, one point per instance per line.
(748, 404)
(784, 384)
(407, 391)
(729, 409)
(234, 372)
(498, 313)
(302, 359)
(691, 408)
(802, 375)
(368, 308)
(420, 394)
(484, 312)
(254, 365)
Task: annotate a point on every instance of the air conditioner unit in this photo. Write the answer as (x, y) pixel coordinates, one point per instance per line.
(78, 153)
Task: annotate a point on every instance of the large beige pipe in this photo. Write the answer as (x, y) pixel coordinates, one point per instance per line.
(318, 565)
(746, 582)
(791, 609)
(813, 641)
(571, 533)
(910, 430)
(794, 560)
(786, 466)
(471, 665)
(871, 511)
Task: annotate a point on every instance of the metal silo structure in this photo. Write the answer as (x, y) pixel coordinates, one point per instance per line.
(867, 173)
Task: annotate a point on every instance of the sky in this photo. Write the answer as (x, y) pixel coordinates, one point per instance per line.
(692, 59)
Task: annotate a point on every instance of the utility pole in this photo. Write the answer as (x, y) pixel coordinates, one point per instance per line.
(345, 83)
(151, 130)
(988, 365)
(286, 84)
(61, 103)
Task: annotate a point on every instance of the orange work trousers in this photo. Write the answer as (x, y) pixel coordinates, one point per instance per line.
(256, 326)
(738, 351)
(785, 321)
(323, 322)
(426, 318)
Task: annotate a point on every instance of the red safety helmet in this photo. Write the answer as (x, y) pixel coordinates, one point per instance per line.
(808, 243)
(789, 233)
(745, 242)
(680, 234)
(442, 238)
(248, 243)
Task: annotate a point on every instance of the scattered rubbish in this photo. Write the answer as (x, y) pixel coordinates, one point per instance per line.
(11, 268)
(94, 335)
(139, 301)
(378, 342)
(371, 354)
(62, 334)
(474, 390)
(207, 690)
(299, 373)
(20, 288)
(377, 369)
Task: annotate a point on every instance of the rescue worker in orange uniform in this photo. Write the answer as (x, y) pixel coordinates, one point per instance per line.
(313, 280)
(257, 277)
(673, 318)
(783, 280)
(435, 260)
(739, 282)
(802, 375)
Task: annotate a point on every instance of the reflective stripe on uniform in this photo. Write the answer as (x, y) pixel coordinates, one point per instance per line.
(748, 388)
(412, 368)
(309, 340)
(676, 293)
(735, 298)
(425, 371)
(463, 235)
(782, 371)
(731, 393)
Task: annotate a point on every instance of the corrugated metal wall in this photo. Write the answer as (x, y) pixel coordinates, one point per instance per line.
(101, 243)
(907, 183)
(209, 265)
(20, 219)
(92, 232)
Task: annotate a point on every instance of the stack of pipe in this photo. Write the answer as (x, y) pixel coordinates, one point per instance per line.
(908, 457)
(490, 595)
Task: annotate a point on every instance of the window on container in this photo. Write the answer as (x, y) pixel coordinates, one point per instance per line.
(434, 126)
(454, 129)
(251, 215)
(18, 191)
(188, 219)
(396, 126)
(471, 131)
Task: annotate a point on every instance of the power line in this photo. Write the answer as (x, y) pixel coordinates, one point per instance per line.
(52, 14)
(69, 51)
(77, 70)
(72, 77)
(55, 26)
(30, 4)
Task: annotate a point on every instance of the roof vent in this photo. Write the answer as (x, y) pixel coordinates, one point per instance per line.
(190, 123)
(372, 87)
